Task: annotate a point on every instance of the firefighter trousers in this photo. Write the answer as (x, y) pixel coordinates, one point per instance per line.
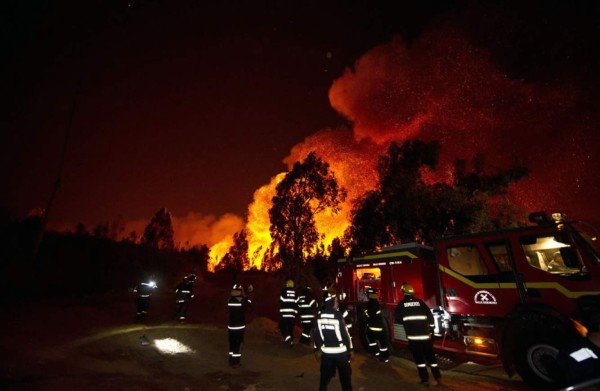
(329, 364)
(182, 306)
(286, 325)
(236, 337)
(142, 304)
(422, 352)
(306, 329)
(378, 343)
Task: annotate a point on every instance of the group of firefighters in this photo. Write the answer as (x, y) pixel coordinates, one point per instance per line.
(184, 292)
(329, 325)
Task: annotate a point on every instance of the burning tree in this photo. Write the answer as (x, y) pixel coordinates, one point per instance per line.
(405, 207)
(236, 260)
(308, 189)
(159, 232)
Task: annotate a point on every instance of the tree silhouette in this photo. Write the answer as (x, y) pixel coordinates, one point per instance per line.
(200, 256)
(159, 232)
(404, 208)
(236, 260)
(308, 189)
(393, 212)
(81, 230)
(101, 230)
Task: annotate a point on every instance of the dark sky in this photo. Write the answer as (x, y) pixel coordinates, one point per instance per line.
(188, 104)
(193, 105)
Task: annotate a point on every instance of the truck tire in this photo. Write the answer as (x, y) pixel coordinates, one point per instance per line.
(535, 358)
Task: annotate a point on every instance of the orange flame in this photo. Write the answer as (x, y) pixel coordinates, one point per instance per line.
(352, 163)
(257, 227)
(441, 88)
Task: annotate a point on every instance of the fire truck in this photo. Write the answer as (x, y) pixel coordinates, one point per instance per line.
(514, 297)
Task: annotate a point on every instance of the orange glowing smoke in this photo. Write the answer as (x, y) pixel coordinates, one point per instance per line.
(353, 165)
(443, 88)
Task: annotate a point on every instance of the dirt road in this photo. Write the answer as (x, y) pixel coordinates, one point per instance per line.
(94, 345)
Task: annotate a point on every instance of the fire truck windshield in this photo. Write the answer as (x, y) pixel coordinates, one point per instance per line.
(589, 239)
(552, 254)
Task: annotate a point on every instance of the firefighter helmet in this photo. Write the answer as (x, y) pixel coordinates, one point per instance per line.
(372, 293)
(408, 289)
(236, 290)
(191, 277)
(328, 295)
(289, 284)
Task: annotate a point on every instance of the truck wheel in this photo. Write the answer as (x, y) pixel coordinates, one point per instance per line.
(536, 360)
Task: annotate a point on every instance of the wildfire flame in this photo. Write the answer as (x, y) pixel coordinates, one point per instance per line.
(446, 89)
(352, 163)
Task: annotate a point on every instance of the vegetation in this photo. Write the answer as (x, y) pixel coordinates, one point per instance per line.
(76, 264)
(236, 260)
(404, 208)
(308, 189)
(159, 232)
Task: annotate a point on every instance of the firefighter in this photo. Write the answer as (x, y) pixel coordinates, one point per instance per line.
(346, 314)
(306, 309)
(325, 289)
(184, 292)
(332, 344)
(418, 323)
(324, 294)
(288, 308)
(376, 333)
(237, 304)
(143, 292)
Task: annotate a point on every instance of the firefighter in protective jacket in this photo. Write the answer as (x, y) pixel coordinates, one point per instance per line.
(376, 334)
(237, 305)
(332, 343)
(346, 314)
(288, 308)
(306, 309)
(184, 292)
(418, 323)
(143, 292)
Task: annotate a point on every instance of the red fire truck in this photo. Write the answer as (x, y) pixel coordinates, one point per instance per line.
(513, 297)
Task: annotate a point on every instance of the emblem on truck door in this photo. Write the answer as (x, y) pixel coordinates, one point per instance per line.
(484, 297)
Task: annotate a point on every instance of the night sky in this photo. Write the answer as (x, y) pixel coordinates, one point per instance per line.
(195, 105)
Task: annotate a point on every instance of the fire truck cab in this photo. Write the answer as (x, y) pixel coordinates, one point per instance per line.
(515, 297)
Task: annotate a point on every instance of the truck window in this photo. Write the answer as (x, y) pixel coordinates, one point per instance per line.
(547, 254)
(466, 260)
(500, 254)
(589, 238)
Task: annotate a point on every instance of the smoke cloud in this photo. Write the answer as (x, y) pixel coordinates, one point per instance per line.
(444, 88)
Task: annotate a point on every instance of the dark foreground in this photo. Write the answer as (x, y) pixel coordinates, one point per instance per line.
(93, 344)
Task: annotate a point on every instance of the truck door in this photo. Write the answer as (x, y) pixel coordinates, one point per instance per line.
(554, 271)
(511, 286)
(473, 279)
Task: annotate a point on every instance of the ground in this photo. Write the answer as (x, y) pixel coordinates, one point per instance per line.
(93, 343)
